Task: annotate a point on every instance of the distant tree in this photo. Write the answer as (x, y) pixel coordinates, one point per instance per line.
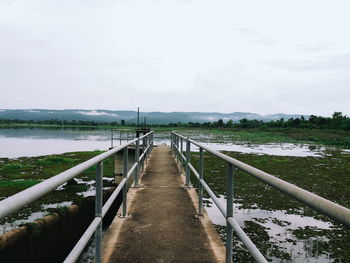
(229, 124)
(221, 123)
(337, 119)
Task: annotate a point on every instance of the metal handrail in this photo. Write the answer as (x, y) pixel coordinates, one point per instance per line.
(19, 200)
(337, 212)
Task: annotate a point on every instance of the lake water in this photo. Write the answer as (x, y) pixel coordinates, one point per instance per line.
(279, 225)
(22, 142)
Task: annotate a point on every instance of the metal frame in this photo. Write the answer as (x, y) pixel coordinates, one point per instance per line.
(337, 212)
(19, 200)
(121, 138)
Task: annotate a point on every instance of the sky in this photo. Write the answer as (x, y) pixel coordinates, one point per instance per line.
(271, 56)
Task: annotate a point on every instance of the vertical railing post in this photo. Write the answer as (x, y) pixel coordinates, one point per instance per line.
(98, 212)
(125, 174)
(174, 145)
(200, 190)
(181, 145)
(111, 138)
(147, 149)
(177, 148)
(152, 141)
(146, 145)
(143, 158)
(229, 211)
(172, 142)
(137, 155)
(188, 161)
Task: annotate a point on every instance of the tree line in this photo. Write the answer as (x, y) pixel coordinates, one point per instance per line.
(337, 121)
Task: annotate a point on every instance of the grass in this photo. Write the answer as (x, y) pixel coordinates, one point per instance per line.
(18, 184)
(337, 138)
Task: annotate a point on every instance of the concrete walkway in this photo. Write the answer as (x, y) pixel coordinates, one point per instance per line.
(162, 226)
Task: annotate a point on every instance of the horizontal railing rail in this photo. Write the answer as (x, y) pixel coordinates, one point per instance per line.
(337, 212)
(19, 200)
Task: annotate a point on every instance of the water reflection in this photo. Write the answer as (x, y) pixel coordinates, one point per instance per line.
(21, 142)
(279, 225)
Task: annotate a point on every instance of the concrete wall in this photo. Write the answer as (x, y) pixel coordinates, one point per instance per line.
(51, 239)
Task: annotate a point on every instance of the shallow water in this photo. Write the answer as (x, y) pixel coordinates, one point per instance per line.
(279, 226)
(26, 142)
(278, 149)
(22, 142)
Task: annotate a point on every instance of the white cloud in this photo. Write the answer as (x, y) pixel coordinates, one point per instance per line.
(206, 55)
(97, 113)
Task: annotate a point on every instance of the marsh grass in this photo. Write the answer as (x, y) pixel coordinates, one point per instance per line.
(327, 176)
(19, 174)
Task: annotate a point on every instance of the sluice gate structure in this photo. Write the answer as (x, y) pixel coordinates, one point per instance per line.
(162, 218)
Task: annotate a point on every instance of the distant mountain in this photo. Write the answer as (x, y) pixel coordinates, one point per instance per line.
(131, 116)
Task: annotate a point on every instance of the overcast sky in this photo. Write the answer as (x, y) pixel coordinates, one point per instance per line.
(176, 55)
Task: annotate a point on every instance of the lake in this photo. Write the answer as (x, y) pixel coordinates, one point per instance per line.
(21, 142)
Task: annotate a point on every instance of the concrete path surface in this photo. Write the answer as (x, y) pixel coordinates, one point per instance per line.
(162, 226)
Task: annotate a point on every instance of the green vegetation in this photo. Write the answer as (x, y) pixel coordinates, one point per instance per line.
(311, 173)
(327, 176)
(19, 174)
(22, 184)
(336, 138)
(338, 121)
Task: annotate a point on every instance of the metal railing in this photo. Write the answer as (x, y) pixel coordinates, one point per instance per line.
(324, 206)
(126, 137)
(19, 200)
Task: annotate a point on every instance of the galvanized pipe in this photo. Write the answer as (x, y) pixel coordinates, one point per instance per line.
(125, 174)
(137, 152)
(112, 138)
(200, 190)
(188, 161)
(181, 145)
(98, 212)
(115, 193)
(177, 146)
(144, 155)
(229, 213)
(210, 192)
(79, 247)
(242, 236)
(337, 212)
(254, 251)
(240, 233)
(19, 200)
(172, 142)
(181, 155)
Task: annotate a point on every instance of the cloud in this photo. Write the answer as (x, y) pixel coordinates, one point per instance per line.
(334, 62)
(97, 113)
(317, 47)
(256, 36)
